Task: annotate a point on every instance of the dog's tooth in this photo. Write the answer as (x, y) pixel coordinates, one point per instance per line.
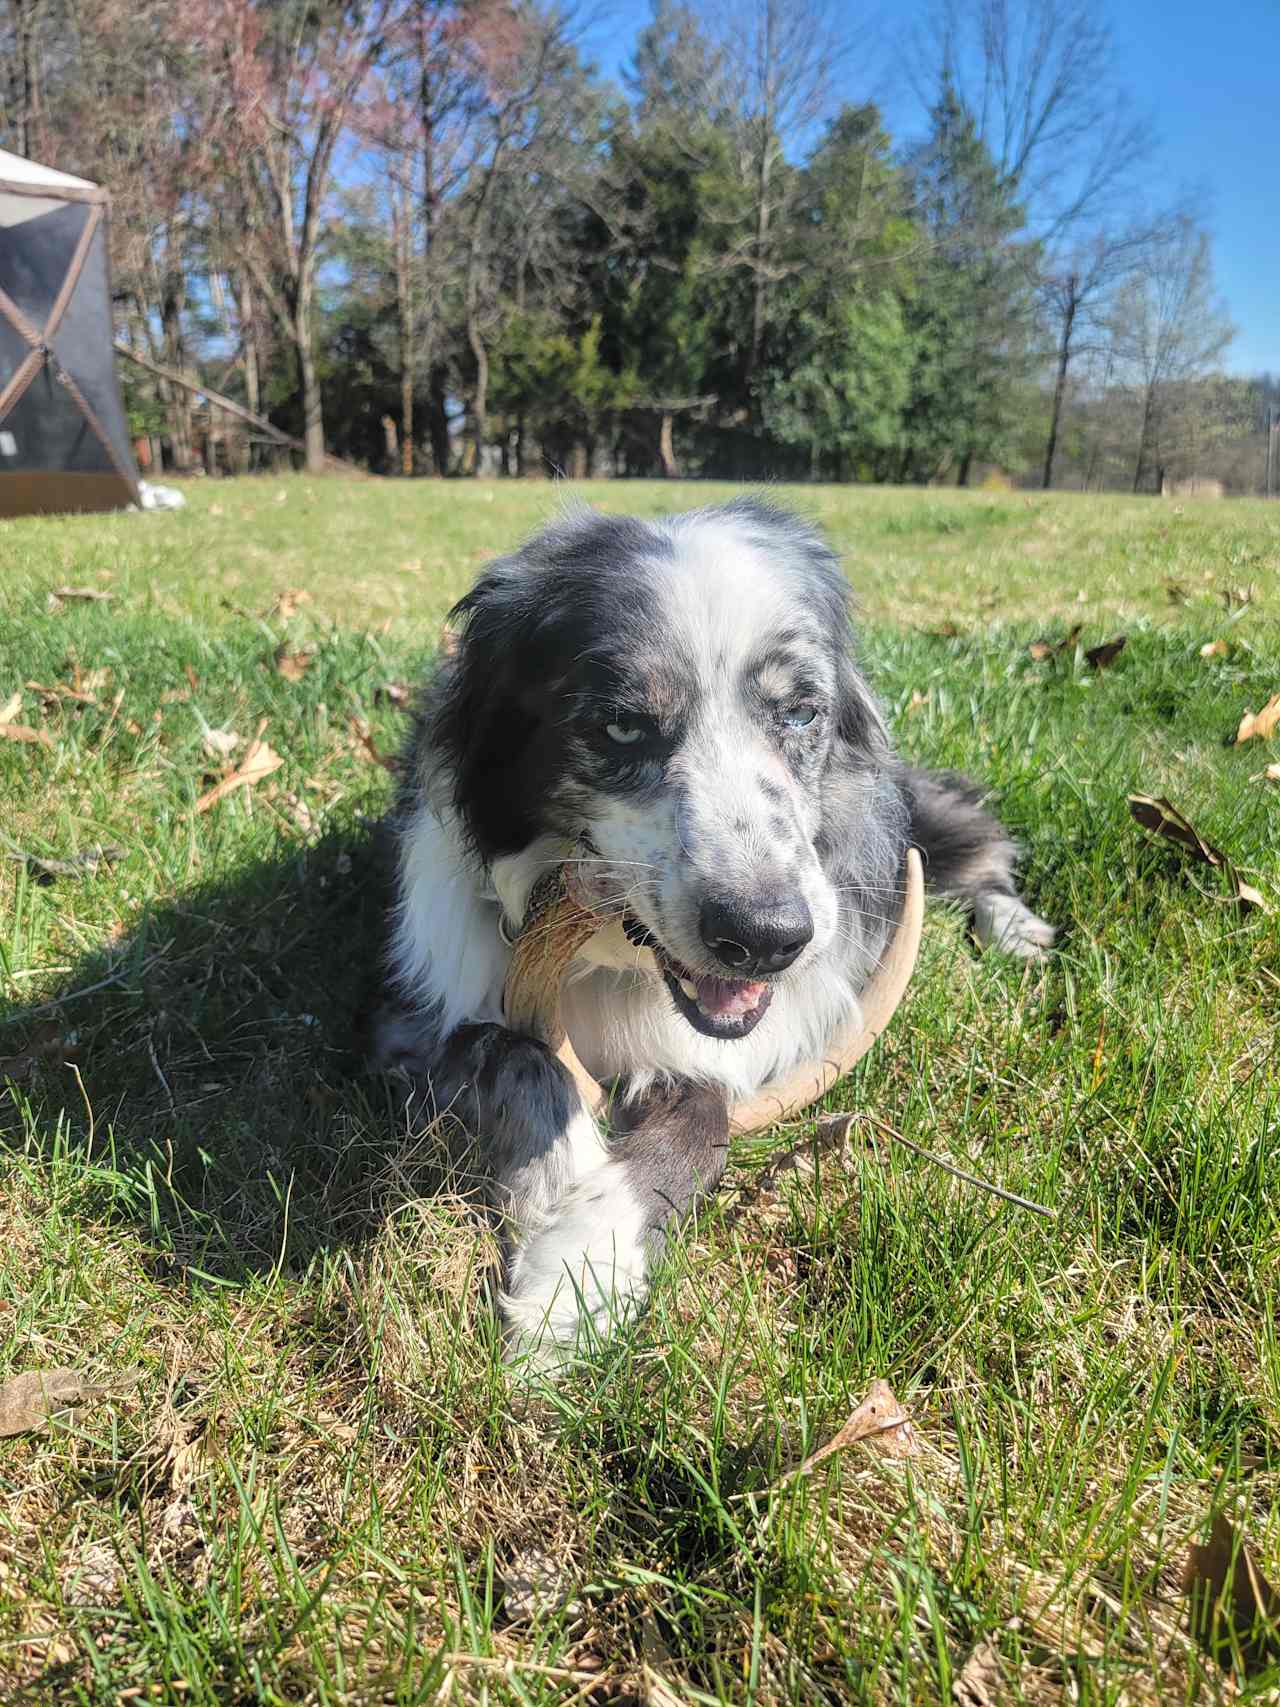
(690, 989)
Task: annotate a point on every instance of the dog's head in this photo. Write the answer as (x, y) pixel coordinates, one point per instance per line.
(676, 704)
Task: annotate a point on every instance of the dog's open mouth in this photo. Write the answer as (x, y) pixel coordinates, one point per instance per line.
(717, 1007)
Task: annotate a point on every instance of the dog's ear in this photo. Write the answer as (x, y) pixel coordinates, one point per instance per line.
(860, 724)
(480, 720)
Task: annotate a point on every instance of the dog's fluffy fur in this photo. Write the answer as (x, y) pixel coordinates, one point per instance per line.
(673, 707)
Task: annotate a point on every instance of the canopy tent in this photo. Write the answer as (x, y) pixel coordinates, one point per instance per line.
(64, 443)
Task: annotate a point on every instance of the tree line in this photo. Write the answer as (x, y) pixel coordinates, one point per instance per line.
(431, 238)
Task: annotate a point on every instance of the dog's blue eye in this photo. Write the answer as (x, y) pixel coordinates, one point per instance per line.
(799, 716)
(625, 731)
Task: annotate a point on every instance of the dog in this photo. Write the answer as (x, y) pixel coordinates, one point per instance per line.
(674, 708)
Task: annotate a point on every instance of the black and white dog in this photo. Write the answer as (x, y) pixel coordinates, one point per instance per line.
(673, 705)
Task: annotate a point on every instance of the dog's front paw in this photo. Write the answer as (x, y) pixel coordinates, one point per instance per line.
(578, 1277)
(1003, 922)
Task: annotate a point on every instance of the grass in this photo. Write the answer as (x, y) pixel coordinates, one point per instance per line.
(321, 1487)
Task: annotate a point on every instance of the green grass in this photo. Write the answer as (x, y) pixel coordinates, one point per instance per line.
(317, 1488)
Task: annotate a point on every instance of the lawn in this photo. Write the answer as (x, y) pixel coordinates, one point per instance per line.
(303, 1475)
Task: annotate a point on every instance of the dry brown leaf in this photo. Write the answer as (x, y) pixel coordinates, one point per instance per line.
(54, 694)
(1234, 1609)
(364, 737)
(259, 761)
(220, 743)
(288, 602)
(879, 1420)
(11, 707)
(294, 665)
(42, 1396)
(93, 595)
(1098, 657)
(20, 732)
(47, 1045)
(1042, 649)
(1214, 649)
(982, 1681)
(1163, 818)
(1260, 725)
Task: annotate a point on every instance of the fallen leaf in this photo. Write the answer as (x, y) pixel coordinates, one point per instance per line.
(20, 732)
(60, 595)
(982, 1681)
(1098, 657)
(1260, 725)
(11, 707)
(79, 865)
(259, 762)
(294, 665)
(1042, 649)
(288, 602)
(219, 743)
(56, 692)
(360, 729)
(879, 1420)
(392, 693)
(1163, 818)
(92, 1576)
(1234, 1609)
(43, 1396)
(1214, 649)
(47, 1046)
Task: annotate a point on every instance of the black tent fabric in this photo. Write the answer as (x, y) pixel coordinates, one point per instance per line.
(64, 442)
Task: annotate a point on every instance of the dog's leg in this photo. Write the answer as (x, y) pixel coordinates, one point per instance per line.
(583, 1268)
(969, 858)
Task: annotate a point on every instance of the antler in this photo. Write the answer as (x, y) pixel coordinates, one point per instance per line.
(556, 931)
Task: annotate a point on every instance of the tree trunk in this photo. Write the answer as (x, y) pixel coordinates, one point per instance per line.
(249, 343)
(666, 447)
(402, 234)
(966, 463)
(1060, 387)
(480, 396)
(177, 402)
(438, 422)
(308, 380)
(1144, 442)
(27, 79)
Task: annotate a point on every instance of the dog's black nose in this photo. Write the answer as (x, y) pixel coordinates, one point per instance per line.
(753, 938)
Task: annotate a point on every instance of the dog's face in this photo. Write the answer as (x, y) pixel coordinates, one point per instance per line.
(666, 702)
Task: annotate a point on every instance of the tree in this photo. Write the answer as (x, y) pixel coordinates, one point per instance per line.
(841, 356)
(970, 307)
(1039, 78)
(1168, 330)
(289, 77)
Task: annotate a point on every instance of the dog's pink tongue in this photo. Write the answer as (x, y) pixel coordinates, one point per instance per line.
(728, 998)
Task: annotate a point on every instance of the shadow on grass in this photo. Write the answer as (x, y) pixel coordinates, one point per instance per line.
(204, 1075)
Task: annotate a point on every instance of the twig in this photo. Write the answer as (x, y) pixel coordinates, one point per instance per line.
(950, 1167)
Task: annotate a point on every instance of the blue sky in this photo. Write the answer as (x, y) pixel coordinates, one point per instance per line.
(1210, 77)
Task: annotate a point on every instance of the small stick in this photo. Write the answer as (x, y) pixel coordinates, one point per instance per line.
(950, 1167)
